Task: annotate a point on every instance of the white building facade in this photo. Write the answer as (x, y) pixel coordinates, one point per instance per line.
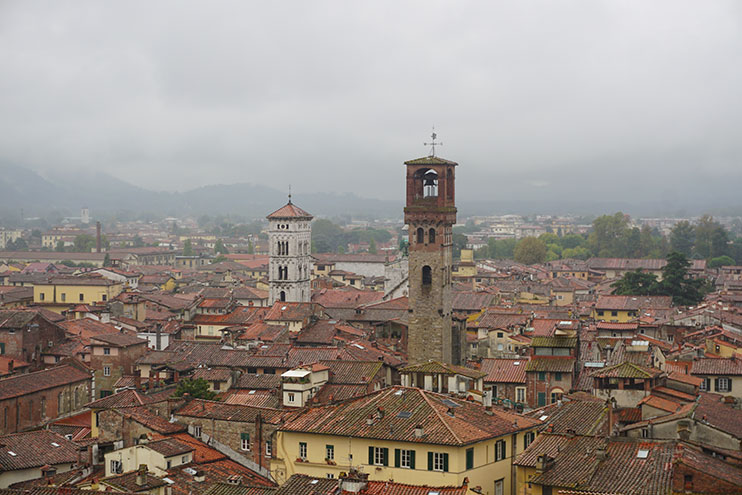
(290, 245)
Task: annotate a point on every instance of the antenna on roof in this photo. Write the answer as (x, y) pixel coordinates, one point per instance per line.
(433, 144)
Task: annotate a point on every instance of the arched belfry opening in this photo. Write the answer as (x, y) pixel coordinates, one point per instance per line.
(430, 184)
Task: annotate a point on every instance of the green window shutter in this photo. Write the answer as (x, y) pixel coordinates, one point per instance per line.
(412, 459)
(244, 436)
(397, 457)
(371, 456)
(445, 463)
(430, 461)
(729, 381)
(386, 456)
(716, 384)
(470, 458)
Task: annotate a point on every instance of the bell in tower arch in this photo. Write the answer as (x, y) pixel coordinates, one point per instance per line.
(430, 184)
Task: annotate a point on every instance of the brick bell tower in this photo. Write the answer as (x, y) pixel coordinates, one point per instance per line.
(430, 214)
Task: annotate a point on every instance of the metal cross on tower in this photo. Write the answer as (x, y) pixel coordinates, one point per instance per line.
(433, 144)
(289, 193)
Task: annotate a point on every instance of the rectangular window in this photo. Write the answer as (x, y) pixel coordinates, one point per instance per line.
(169, 464)
(541, 398)
(470, 458)
(404, 458)
(600, 313)
(116, 467)
(528, 438)
(614, 313)
(329, 452)
(216, 385)
(541, 376)
(184, 459)
(197, 431)
(64, 297)
(303, 450)
(268, 448)
(106, 371)
(520, 394)
(558, 377)
(107, 351)
(41, 296)
(378, 456)
(437, 461)
(330, 476)
(500, 487)
(82, 297)
(291, 396)
(723, 384)
(245, 441)
(2, 348)
(500, 450)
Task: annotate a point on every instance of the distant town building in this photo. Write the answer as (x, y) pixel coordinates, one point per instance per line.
(290, 266)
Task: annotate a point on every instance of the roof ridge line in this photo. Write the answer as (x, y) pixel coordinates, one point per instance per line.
(448, 427)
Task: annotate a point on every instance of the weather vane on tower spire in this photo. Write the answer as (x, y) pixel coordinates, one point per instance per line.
(433, 144)
(289, 193)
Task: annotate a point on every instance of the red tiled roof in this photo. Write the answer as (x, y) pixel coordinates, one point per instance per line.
(445, 420)
(28, 383)
(199, 408)
(290, 210)
(256, 398)
(35, 449)
(683, 378)
(717, 366)
(633, 302)
(504, 370)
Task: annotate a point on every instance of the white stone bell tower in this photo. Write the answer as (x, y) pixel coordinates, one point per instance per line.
(290, 267)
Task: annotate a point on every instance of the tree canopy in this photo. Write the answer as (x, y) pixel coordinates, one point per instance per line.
(198, 388)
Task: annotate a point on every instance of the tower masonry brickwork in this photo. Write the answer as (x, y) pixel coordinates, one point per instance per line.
(290, 264)
(430, 213)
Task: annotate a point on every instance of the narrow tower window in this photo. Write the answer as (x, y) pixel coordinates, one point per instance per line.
(431, 236)
(282, 296)
(420, 235)
(427, 275)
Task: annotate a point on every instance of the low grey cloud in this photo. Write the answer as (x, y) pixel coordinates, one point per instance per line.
(535, 97)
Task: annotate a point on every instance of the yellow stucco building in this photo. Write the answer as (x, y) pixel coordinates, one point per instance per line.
(406, 435)
(60, 293)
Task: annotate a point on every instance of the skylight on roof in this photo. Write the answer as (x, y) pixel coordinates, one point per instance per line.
(12, 453)
(516, 363)
(404, 414)
(642, 454)
(450, 403)
(359, 346)
(542, 418)
(314, 482)
(55, 444)
(399, 392)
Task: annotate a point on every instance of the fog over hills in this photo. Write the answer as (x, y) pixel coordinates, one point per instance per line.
(38, 195)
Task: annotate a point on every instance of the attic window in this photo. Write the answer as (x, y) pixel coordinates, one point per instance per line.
(12, 453)
(542, 418)
(404, 414)
(55, 444)
(516, 363)
(251, 392)
(314, 482)
(642, 454)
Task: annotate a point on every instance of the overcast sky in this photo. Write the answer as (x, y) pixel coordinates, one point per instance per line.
(336, 95)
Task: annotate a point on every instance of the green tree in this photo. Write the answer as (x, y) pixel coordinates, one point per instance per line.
(195, 388)
(327, 237)
(570, 241)
(530, 250)
(720, 261)
(59, 247)
(580, 253)
(84, 243)
(609, 235)
(219, 247)
(250, 248)
(459, 243)
(711, 238)
(682, 238)
(636, 283)
(501, 249)
(138, 242)
(372, 246)
(685, 291)
(187, 248)
(107, 260)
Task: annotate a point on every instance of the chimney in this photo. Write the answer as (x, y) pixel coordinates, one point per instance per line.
(138, 379)
(141, 479)
(10, 366)
(200, 477)
(601, 453)
(48, 471)
(353, 482)
(97, 237)
(543, 463)
(419, 432)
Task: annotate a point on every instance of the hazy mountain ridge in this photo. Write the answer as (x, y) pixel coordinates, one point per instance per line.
(21, 188)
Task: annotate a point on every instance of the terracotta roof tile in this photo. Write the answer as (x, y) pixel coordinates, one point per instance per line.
(290, 210)
(27, 383)
(35, 449)
(504, 370)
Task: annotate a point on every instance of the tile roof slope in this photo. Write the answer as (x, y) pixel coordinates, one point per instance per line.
(19, 385)
(127, 482)
(219, 471)
(626, 370)
(443, 368)
(169, 447)
(468, 424)
(333, 392)
(352, 372)
(301, 484)
(714, 366)
(35, 449)
(145, 417)
(552, 364)
(200, 408)
(256, 398)
(119, 339)
(581, 417)
(345, 297)
(504, 370)
(392, 488)
(633, 302)
(258, 382)
(290, 210)
(232, 489)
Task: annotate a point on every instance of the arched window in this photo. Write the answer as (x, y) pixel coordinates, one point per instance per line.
(282, 296)
(430, 184)
(427, 275)
(449, 185)
(420, 235)
(431, 235)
